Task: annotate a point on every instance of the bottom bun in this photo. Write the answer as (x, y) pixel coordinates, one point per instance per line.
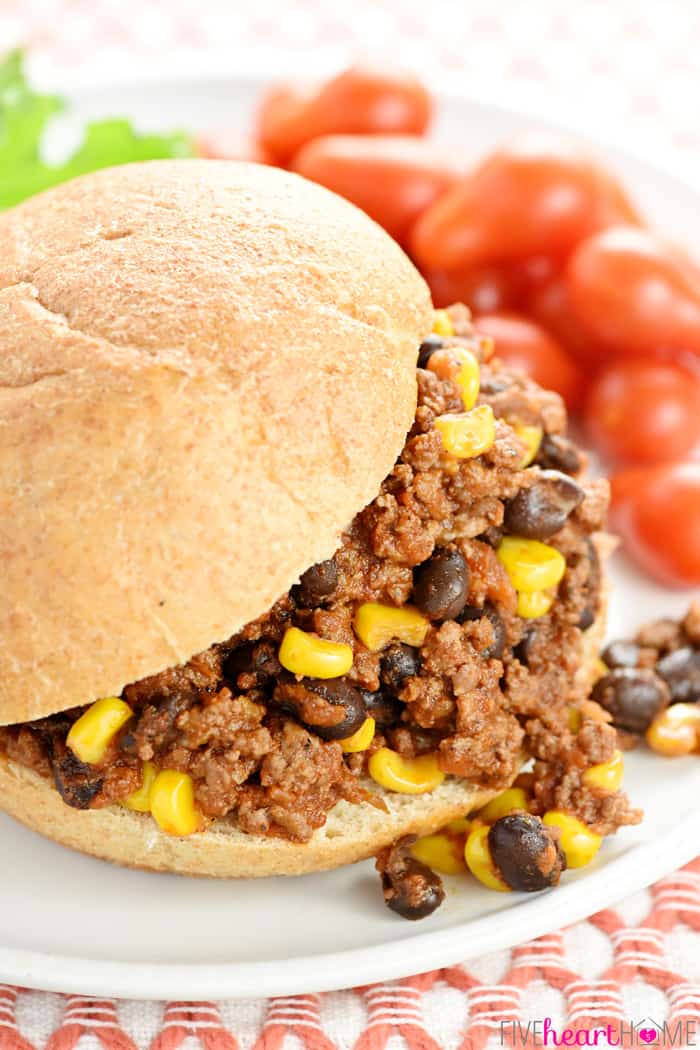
(352, 831)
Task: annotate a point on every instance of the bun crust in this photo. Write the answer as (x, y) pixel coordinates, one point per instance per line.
(208, 369)
(351, 833)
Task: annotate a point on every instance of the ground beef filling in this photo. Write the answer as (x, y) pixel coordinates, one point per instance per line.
(485, 688)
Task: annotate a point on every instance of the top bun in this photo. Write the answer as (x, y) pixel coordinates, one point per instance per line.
(208, 368)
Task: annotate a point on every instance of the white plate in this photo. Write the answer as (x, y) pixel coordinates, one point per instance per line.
(70, 923)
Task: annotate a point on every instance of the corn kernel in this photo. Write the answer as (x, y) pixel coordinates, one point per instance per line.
(531, 565)
(361, 739)
(503, 804)
(458, 826)
(532, 604)
(676, 731)
(606, 775)
(442, 323)
(600, 669)
(410, 776)
(441, 853)
(313, 657)
(467, 434)
(574, 718)
(91, 735)
(579, 843)
(479, 861)
(459, 364)
(140, 800)
(172, 803)
(531, 437)
(376, 625)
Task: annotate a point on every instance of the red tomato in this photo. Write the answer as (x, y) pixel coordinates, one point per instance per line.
(644, 411)
(656, 511)
(226, 145)
(391, 177)
(522, 344)
(634, 292)
(489, 287)
(358, 101)
(549, 303)
(537, 197)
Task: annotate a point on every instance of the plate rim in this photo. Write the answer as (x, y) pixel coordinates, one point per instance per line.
(633, 871)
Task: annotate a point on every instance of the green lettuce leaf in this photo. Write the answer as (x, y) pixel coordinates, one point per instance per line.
(24, 115)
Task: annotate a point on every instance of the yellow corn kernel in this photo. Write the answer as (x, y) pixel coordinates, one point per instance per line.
(458, 826)
(410, 776)
(313, 657)
(606, 775)
(532, 604)
(442, 323)
(503, 804)
(361, 739)
(441, 853)
(172, 803)
(467, 434)
(531, 437)
(600, 669)
(676, 731)
(574, 718)
(459, 364)
(140, 800)
(376, 625)
(90, 736)
(479, 861)
(531, 565)
(579, 843)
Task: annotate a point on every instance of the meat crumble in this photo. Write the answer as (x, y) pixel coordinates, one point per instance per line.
(486, 689)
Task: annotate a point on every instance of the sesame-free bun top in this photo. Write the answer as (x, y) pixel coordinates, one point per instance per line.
(207, 370)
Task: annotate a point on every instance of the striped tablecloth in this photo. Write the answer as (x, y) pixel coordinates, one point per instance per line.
(634, 66)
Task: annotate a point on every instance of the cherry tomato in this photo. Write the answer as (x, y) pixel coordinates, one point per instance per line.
(656, 511)
(537, 197)
(357, 101)
(391, 177)
(522, 344)
(634, 292)
(549, 303)
(226, 145)
(644, 411)
(489, 287)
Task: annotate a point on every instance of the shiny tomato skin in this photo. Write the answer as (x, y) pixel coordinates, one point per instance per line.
(489, 287)
(644, 412)
(391, 177)
(523, 344)
(634, 293)
(540, 196)
(656, 512)
(549, 303)
(360, 100)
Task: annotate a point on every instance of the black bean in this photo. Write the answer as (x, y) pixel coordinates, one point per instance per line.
(558, 453)
(257, 658)
(494, 651)
(587, 618)
(410, 888)
(493, 536)
(317, 584)
(441, 584)
(491, 385)
(384, 709)
(680, 671)
(289, 694)
(428, 347)
(632, 696)
(542, 509)
(76, 782)
(523, 649)
(526, 852)
(620, 654)
(398, 663)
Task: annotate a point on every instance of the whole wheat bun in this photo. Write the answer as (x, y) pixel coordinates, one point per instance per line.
(208, 369)
(352, 832)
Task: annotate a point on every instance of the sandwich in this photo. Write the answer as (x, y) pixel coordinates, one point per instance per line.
(292, 567)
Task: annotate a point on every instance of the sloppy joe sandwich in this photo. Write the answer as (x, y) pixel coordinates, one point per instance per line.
(291, 566)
